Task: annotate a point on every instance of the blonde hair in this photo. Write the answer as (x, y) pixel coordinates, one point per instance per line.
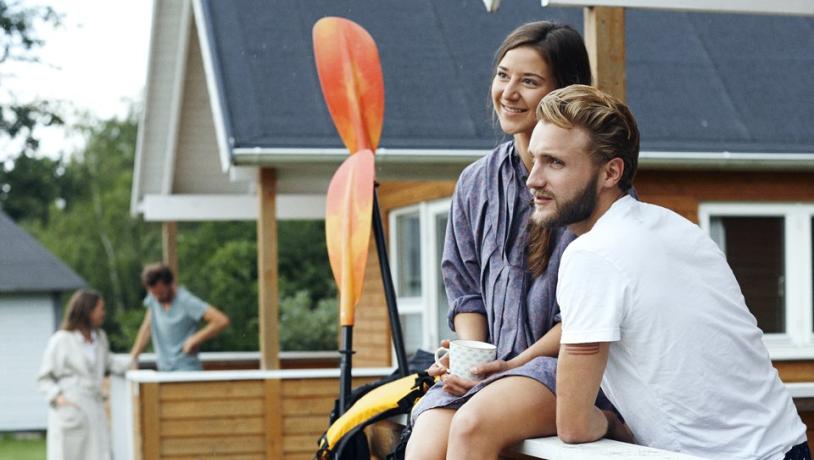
(607, 120)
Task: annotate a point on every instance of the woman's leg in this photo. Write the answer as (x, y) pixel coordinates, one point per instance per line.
(429, 438)
(504, 412)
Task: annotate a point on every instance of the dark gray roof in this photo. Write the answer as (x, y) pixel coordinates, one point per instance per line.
(26, 266)
(697, 82)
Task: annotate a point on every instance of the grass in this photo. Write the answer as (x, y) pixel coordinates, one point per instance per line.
(27, 447)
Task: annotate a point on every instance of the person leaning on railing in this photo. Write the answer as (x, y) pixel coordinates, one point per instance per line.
(172, 320)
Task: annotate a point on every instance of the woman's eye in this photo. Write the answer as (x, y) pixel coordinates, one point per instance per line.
(502, 75)
(530, 82)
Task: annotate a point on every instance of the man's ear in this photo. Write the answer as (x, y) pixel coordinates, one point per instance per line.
(612, 172)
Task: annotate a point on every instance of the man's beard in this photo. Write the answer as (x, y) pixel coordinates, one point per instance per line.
(572, 211)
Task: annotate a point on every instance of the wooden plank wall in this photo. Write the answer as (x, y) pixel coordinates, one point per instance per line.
(371, 337)
(241, 420)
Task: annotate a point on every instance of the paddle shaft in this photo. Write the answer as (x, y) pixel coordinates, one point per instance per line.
(345, 369)
(389, 292)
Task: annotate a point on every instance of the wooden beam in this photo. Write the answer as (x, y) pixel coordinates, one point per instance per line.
(605, 40)
(269, 298)
(774, 7)
(170, 244)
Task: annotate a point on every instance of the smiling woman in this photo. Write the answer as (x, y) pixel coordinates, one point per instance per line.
(492, 295)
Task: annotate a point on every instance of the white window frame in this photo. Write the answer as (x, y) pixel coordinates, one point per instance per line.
(427, 303)
(798, 340)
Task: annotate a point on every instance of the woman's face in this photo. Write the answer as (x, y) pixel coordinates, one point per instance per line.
(521, 80)
(97, 315)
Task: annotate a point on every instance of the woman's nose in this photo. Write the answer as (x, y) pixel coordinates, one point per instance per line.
(510, 90)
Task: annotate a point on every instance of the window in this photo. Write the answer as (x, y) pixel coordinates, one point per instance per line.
(769, 247)
(417, 236)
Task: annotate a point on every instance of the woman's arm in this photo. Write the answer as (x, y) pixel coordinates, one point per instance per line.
(49, 368)
(547, 345)
(471, 326)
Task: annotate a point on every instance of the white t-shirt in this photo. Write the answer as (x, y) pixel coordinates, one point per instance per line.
(686, 367)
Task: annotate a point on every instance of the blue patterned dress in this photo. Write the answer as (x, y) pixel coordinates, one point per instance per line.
(484, 269)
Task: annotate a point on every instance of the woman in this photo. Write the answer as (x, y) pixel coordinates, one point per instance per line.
(73, 366)
(495, 294)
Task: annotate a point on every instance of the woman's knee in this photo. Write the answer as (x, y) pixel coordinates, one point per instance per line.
(429, 437)
(468, 424)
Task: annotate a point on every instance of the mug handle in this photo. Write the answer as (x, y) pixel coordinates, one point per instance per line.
(438, 358)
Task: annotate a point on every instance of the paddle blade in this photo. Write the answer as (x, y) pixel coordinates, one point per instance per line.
(348, 214)
(350, 75)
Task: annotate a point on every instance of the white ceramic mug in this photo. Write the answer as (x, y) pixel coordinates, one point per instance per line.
(466, 354)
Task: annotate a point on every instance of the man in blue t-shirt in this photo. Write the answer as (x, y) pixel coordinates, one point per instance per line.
(172, 319)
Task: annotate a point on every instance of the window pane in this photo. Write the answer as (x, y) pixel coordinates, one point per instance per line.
(443, 307)
(408, 237)
(754, 248)
(411, 330)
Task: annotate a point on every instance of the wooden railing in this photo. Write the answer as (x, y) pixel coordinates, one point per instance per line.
(281, 414)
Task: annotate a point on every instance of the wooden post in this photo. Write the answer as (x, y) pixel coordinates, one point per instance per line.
(274, 418)
(269, 298)
(170, 245)
(605, 40)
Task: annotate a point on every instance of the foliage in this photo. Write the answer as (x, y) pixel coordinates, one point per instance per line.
(306, 328)
(79, 209)
(18, 42)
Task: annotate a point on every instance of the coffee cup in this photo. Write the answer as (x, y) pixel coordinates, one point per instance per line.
(466, 354)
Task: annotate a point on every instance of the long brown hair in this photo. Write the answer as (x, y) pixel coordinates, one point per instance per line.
(80, 306)
(563, 50)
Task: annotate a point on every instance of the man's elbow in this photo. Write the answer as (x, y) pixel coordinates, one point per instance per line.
(224, 322)
(574, 432)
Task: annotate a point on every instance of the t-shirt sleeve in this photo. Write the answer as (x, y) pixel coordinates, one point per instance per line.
(593, 295)
(195, 307)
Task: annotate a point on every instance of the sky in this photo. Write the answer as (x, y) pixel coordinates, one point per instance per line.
(96, 62)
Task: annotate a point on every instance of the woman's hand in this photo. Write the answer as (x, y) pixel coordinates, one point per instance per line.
(62, 401)
(440, 367)
(455, 385)
(485, 370)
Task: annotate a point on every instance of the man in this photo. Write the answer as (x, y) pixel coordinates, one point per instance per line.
(650, 308)
(173, 316)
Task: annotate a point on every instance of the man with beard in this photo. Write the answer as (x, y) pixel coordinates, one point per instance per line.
(172, 318)
(651, 312)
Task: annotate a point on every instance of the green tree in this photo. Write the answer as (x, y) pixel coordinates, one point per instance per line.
(30, 187)
(19, 42)
(94, 232)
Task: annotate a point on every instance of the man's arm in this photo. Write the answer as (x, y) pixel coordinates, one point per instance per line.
(216, 321)
(141, 340)
(579, 373)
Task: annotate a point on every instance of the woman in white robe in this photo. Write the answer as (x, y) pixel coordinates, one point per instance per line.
(74, 363)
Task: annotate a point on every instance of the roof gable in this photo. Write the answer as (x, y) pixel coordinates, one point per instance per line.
(26, 266)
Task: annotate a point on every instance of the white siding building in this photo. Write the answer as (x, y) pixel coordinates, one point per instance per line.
(31, 279)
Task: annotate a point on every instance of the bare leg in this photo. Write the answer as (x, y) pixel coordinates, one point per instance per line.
(429, 438)
(503, 413)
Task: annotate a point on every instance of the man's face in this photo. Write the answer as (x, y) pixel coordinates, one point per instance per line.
(161, 291)
(563, 178)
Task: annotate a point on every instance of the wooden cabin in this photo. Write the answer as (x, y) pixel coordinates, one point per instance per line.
(235, 128)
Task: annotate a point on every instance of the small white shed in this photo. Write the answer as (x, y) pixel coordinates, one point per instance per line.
(31, 279)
